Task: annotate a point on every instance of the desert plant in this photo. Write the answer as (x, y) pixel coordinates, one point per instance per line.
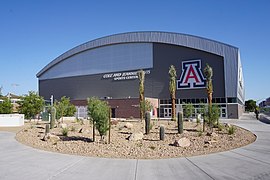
(200, 132)
(231, 130)
(147, 122)
(141, 75)
(208, 72)
(53, 115)
(98, 112)
(172, 88)
(72, 128)
(180, 122)
(161, 133)
(65, 131)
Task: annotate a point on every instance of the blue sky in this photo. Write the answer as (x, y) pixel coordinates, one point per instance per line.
(34, 32)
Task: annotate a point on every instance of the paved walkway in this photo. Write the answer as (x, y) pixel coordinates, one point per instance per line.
(18, 161)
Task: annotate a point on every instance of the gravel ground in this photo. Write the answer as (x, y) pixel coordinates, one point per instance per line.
(150, 147)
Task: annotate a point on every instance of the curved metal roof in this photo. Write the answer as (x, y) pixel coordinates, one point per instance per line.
(211, 46)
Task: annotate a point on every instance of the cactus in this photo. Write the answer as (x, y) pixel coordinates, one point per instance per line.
(180, 122)
(47, 129)
(147, 122)
(53, 115)
(161, 133)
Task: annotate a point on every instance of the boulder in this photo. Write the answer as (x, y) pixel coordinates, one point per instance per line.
(114, 122)
(183, 142)
(51, 138)
(135, 136)
(128, 125)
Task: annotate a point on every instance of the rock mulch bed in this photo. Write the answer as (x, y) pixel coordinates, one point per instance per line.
(79, 140)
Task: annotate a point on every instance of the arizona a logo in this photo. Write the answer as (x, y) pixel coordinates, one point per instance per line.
(191, 76)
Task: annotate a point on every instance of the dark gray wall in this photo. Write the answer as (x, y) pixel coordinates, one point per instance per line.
(166, 55)
(156, 84)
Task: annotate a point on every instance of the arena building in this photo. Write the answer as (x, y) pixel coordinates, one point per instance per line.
(107, 68)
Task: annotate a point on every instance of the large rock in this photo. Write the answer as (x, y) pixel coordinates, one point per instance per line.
(183, 142)
(51, 138)
(135, 136)
(128, 125)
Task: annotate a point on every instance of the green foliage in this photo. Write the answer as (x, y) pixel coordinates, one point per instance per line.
(53, 115)
(188, 110)
(231, 130)
(147, 123)
(98, 112)
(64, 108)
(250, 105)
(31, 105)
(5, 106)
(215, 114)
(65, 131)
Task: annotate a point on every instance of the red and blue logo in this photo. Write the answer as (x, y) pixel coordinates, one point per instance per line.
(192, 76)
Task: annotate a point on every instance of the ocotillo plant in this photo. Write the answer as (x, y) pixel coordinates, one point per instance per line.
(53, 115)
(162, 133)
(172, 88)
(147, 122)
(180, 123)
(141, 75)
(208, 72)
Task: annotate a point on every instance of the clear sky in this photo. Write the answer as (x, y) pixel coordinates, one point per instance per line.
(34, 32)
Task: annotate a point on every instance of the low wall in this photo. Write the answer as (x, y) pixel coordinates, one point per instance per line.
(11, 120)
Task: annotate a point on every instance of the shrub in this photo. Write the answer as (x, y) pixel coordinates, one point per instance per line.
(5, 106)
(64, 131)
(231, 130)
(72, 128)
(98, 112)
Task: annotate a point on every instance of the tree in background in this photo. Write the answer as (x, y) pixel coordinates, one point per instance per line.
(188, 110)
(31, 105)
(98, 111)
(141, 75)
(64, 108)
(172, 88)
(250, 105)
(5, 106)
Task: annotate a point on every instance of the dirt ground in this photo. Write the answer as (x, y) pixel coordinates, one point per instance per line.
(150, 147)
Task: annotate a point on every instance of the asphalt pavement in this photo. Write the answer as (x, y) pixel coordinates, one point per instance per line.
(18, 161)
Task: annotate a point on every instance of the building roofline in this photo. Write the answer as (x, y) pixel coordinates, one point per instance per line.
(173, 38)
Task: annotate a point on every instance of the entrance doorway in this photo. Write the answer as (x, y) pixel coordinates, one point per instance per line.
(223, 113)
(167, 112)
(113, 112)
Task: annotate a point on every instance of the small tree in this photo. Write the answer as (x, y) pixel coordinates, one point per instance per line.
(64, 108)
(6, 106)
(31, 105)
(98, 112)
(172, 88)
(250, 105)
(141, 75)
(188, 110)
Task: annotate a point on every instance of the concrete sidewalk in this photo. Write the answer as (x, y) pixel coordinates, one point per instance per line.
(18, 161)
